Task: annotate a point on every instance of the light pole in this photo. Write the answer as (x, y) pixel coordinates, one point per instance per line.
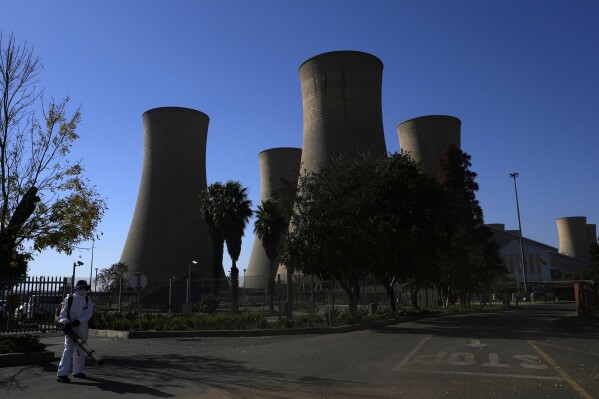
(514, 176)
(96, 282)
(92, 263)
(244, 285)
(170, 294)
(75, 264)
(189, 279)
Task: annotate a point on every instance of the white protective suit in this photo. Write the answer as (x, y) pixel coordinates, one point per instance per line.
(82, 310)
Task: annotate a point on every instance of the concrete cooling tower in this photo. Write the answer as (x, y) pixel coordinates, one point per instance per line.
(341, 94)
(167, 230)
(592, 233)
(573, 237)
(277, 165)
(426, 138)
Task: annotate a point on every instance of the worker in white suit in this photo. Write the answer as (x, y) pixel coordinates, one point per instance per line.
(76, 310)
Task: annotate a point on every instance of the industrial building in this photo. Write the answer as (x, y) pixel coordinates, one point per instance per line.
(543, 263)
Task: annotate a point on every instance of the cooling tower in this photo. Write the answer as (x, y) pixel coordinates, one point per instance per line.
(592, 233)
(167, 230)
(426, 139)
(341, 94)
(276, 166)
(573, 237)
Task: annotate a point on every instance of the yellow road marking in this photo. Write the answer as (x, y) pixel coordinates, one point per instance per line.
(584, 394)
(567, 349)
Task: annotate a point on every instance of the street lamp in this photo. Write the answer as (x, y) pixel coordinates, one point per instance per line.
(514, 175)
(75, 264)
(189, 279)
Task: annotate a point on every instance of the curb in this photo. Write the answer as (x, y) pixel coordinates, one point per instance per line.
(241, 333)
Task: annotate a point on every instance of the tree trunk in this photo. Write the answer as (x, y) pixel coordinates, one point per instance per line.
(234, 288)
(414, 288)
(217, 262)
(352, 289)
(391, 298)
(353, 295)
(289, 294)
(270, 288)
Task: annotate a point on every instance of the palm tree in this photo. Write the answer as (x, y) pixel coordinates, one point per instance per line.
(211, 204)
(270, 225)
(236, 212)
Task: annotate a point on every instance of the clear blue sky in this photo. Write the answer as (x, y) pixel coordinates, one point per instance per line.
(523, 76)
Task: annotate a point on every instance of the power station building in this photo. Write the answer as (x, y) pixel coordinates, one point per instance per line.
(278, 167)
(542, 262)
(167, 230)
(426, 139)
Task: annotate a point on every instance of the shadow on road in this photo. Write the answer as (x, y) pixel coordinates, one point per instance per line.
(538, 321)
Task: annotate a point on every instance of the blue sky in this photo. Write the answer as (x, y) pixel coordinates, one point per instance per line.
(523, 76)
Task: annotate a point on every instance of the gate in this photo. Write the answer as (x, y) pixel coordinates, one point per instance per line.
(587, 299)
(28, 306)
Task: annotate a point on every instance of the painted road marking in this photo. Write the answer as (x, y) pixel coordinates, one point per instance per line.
(469, 373)
(494, 362)
(566, 348)
(475, 343)
(411, 354)
(469, 359)
(583, 394)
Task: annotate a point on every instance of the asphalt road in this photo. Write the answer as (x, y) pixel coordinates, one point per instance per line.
(537, 351)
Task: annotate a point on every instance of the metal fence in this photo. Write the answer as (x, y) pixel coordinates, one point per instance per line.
(29, 305)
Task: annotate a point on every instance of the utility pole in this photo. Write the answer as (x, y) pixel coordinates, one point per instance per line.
(514, 176)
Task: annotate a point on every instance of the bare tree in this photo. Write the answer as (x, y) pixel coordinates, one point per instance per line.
(45, 199)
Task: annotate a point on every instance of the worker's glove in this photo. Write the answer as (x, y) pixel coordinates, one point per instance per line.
(75, 323)
(65, 327)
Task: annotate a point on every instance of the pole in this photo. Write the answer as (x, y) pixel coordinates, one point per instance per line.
(120, 292)
(514, 176)
(188, 280)
(73, 278)
(92, 263)
(170, 294)
(139, 308)
(96, 282)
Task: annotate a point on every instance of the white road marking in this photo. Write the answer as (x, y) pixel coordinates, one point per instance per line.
(521, 376)
(475, 343)
(411, 354)
(494, 361)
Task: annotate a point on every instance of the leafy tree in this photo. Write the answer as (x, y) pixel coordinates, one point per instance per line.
(472, 259)
(270, 226)
(591, 273)
(332, 226)
(110, 279)
(211, 204)
(408, 209)
(235, 214)
(45, 200)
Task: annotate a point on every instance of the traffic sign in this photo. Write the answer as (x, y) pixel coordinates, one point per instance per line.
(138, 281)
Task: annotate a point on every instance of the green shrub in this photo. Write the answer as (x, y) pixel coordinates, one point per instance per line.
(21, 344)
